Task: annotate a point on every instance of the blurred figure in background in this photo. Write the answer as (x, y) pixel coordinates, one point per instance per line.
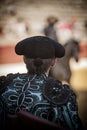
(66, 29)
(50, 29)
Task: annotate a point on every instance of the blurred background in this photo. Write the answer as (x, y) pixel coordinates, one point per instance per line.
(21, 19)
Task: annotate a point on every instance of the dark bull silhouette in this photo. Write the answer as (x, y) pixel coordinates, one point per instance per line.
(61, 70)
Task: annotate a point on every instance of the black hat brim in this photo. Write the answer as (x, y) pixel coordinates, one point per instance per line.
(40, 47)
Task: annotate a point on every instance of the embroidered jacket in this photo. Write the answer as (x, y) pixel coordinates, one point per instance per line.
(41, 96)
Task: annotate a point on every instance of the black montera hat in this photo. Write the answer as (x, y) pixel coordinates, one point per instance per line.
(39, 47)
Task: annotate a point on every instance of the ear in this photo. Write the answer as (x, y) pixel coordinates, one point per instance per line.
(53, 61)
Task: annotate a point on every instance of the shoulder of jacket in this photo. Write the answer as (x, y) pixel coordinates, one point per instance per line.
(6, 80)
(56, 92)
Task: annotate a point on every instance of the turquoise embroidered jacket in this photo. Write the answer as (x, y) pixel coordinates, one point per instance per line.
(41, 96)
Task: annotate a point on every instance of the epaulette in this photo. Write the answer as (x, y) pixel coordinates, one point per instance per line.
(55, 92)
(6, 80)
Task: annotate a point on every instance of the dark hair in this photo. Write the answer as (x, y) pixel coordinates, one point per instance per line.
(52, 18)
(37, 65)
